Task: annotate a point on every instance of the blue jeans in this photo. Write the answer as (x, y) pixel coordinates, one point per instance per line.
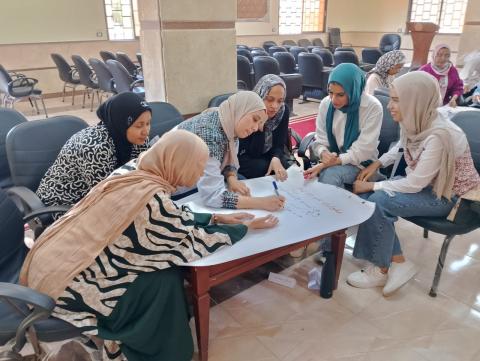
(377, 240)
(338, 175)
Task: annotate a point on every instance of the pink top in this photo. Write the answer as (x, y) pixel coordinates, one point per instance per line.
(455, 84)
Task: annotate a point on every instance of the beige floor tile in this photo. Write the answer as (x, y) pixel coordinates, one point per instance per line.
(239, 349)
(395, 354)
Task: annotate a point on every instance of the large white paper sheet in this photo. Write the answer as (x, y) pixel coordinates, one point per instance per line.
(311, 209)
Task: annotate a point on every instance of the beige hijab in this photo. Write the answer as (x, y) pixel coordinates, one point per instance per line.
(231, 111)
(72, 243)
(419, 97)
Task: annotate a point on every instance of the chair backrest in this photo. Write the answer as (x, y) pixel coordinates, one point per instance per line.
(318, 42)
(107, 55)
(390, 42)
(275, 49)
(469, 122)
(64, 69)
(241, 46)
(245, 53)
(286, 62)
(371, 55)
(139, 58)
(121, 76)
(164, 118)
(345, 48)
(8, 119)
(244, 71)
(344, 56)
(390, 130)
(295, 50)
(33, 146)
(125, 60)
(267, 44)
(310, 65)
(334, 39)
(4, 80)
(304, 43)
(84, 71)
(263, 65)
(11, 240)
(104, 77)
(289, 42)
(218, 99)
(258, 52)
(325, 54)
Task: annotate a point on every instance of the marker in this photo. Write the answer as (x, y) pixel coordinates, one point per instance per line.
(276, 188)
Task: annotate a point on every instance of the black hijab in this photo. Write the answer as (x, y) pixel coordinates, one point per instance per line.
(118, 113)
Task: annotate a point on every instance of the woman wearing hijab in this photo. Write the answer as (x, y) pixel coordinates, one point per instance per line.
(348, 127)
(110, 263)
(470, 75)
(385, 69)
(451, 86)
(440, 169)
(263, 153)
(241, 115)
(90, 155)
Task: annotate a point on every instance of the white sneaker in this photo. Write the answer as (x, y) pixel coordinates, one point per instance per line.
(369, 277)
(398, 275)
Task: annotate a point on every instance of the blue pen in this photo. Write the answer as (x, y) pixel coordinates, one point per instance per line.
(276, 188)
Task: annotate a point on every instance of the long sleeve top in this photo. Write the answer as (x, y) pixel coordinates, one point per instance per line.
(211, 186)
(455, 84)
(253, 145)
(427, 160)
(86, 159)
(161, 235)
(370, 123)
(374, 82)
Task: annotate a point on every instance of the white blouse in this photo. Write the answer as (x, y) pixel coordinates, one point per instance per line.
(370, 123)
(429, 155)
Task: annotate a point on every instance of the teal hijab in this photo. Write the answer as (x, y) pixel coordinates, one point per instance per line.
(352, 79)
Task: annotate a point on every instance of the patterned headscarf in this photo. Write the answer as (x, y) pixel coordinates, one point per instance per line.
(262, 88)
(385, 63)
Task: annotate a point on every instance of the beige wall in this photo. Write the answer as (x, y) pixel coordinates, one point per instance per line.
(471, 31)
(36, 21)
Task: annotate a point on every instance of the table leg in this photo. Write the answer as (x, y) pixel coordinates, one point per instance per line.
(338, 247)
(201, 308)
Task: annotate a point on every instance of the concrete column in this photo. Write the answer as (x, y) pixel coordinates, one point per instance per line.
(188, 49)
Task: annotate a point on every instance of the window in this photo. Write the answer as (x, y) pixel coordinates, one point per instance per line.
(448, 14)
(122, 19)
(297, 16)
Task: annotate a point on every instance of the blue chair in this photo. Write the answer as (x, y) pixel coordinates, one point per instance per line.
(469, 219)
(164, 118)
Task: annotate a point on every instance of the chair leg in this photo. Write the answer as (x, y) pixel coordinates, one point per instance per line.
(63, 93)
(425, 233)
(36, 105)
(73, 95)
(440, 264)
(91, 101)
(84, 94)
(44, 107)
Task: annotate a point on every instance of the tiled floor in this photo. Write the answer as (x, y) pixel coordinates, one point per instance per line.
(256, 320)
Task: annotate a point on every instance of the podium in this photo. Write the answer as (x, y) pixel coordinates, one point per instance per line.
(422, 36)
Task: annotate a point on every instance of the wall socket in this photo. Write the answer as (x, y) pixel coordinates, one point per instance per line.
(99, 34)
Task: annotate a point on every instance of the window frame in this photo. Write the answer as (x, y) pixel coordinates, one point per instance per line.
(409, 16)
(324, 22)
(135, 35)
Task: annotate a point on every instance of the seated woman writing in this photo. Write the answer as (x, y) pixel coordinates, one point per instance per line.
(348, 127)
(263, 153)
(90, 155)
(440, 169)
(241, 115)
(111, 262)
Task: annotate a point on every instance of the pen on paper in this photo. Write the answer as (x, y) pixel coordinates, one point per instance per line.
(275, 187)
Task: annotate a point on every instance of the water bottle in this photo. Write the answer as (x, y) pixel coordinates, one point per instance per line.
(328, 275)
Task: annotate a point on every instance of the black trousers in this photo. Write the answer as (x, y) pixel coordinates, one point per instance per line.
(255, 167)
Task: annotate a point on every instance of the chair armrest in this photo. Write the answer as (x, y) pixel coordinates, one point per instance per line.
(305, 143)
(46, 210)
(26, 295)
(22, 82)
(25, 199)
(296, 137)
(136, 83)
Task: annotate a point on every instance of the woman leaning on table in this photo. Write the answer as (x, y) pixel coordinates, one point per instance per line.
(111, 262)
